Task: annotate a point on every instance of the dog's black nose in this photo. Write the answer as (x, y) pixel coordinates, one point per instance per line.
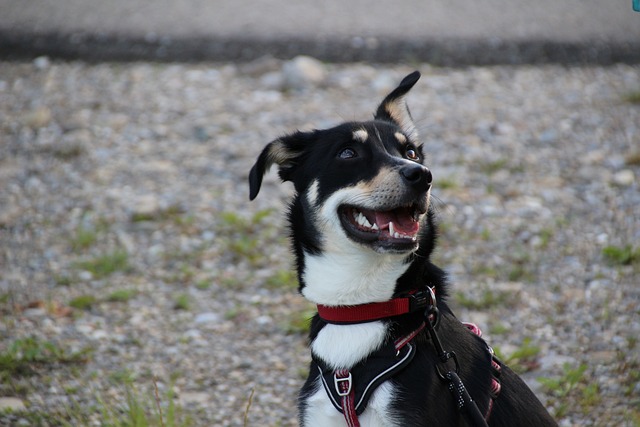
(416, 175)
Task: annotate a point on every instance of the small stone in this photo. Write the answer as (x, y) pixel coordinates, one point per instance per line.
(264, 64)
(548, 136)
(624, 178)
(303, 72)
(207, 317)
(554, 361)
(85, 276)
(11, 404)
(264, 320)
(42, 62)
(145, 206)
(38, 118)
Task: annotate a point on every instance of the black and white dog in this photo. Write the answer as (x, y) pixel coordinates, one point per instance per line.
(386, 349)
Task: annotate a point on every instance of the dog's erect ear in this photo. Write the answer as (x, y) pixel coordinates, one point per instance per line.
(394, 108)
(285, 152)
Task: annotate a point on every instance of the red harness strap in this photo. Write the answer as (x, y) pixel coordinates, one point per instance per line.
(344, 383)
(346, 314)
(496, 370)
(364, 312)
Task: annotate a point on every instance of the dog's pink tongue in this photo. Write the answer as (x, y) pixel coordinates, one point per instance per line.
(402, 221)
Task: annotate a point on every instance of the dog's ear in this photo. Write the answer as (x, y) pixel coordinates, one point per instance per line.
(394, 107)
(285, 152)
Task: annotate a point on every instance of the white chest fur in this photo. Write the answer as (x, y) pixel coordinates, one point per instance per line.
(343, 346)
(352, 278)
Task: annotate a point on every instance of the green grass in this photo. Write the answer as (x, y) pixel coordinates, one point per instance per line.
(616, 255)
(122, 295)
(488, 299)
(146, 411)
(572, 387)
(523, 359)
(300, 322)
(632, 159)
(105, 265)
(29, 356)
(182, 302)
(282, 279)
(632, 97)
(83, 239)
(446, 183)
(173, 212)
(24, 354)
(490, 168)
(83, 302)
(138, 410)
(244, 239)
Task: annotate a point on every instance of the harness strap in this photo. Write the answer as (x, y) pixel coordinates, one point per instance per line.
(351, 397)
(456, 386)
(344, 384)
(417, 300)
(496, 371)
(464, 400)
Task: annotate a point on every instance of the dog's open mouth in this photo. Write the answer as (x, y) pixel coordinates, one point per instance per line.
(396, 228)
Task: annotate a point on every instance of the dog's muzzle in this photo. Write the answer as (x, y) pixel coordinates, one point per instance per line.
(388, 215)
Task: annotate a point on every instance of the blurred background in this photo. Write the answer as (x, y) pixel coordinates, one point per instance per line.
(451, 32)
(140, 287)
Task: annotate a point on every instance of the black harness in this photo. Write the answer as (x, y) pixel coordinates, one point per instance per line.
(365, 376)
(349, 390)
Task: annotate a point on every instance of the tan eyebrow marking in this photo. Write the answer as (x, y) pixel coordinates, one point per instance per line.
(360, 135)
(400, 137)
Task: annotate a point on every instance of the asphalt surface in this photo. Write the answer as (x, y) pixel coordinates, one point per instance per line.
(446, 32)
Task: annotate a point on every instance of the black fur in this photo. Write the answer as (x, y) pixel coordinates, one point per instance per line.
(422, 397)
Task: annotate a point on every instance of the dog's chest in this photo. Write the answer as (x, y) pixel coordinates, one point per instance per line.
(320, 412)
(343, 347)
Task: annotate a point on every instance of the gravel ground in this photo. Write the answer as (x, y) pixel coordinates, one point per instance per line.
(125, 229)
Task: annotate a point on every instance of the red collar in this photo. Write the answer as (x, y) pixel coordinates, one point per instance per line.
(347, 314)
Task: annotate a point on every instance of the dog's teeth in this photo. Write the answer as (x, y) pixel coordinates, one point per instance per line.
(392, 232)
(362, 220)
(375, 226)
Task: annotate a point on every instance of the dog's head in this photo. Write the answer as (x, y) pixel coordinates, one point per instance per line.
(361, 187)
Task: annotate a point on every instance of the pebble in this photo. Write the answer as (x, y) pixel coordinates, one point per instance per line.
(624, 178)
(537, 186)
(12, 404)
(207, 318)
(145, 205)
(303, 72)
(38, 118)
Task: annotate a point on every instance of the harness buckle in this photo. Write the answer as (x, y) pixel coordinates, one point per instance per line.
(417, 301)
(422, 299)
(444, 358)
(342, 383)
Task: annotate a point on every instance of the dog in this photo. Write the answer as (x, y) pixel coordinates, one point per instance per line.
(386, 349)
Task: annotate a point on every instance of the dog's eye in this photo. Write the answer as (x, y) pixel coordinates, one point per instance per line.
(348, 153)
(412, 154)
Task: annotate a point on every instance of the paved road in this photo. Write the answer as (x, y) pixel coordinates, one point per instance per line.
(441, 31)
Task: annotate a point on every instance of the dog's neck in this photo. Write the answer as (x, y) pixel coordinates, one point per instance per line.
(351, 278)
